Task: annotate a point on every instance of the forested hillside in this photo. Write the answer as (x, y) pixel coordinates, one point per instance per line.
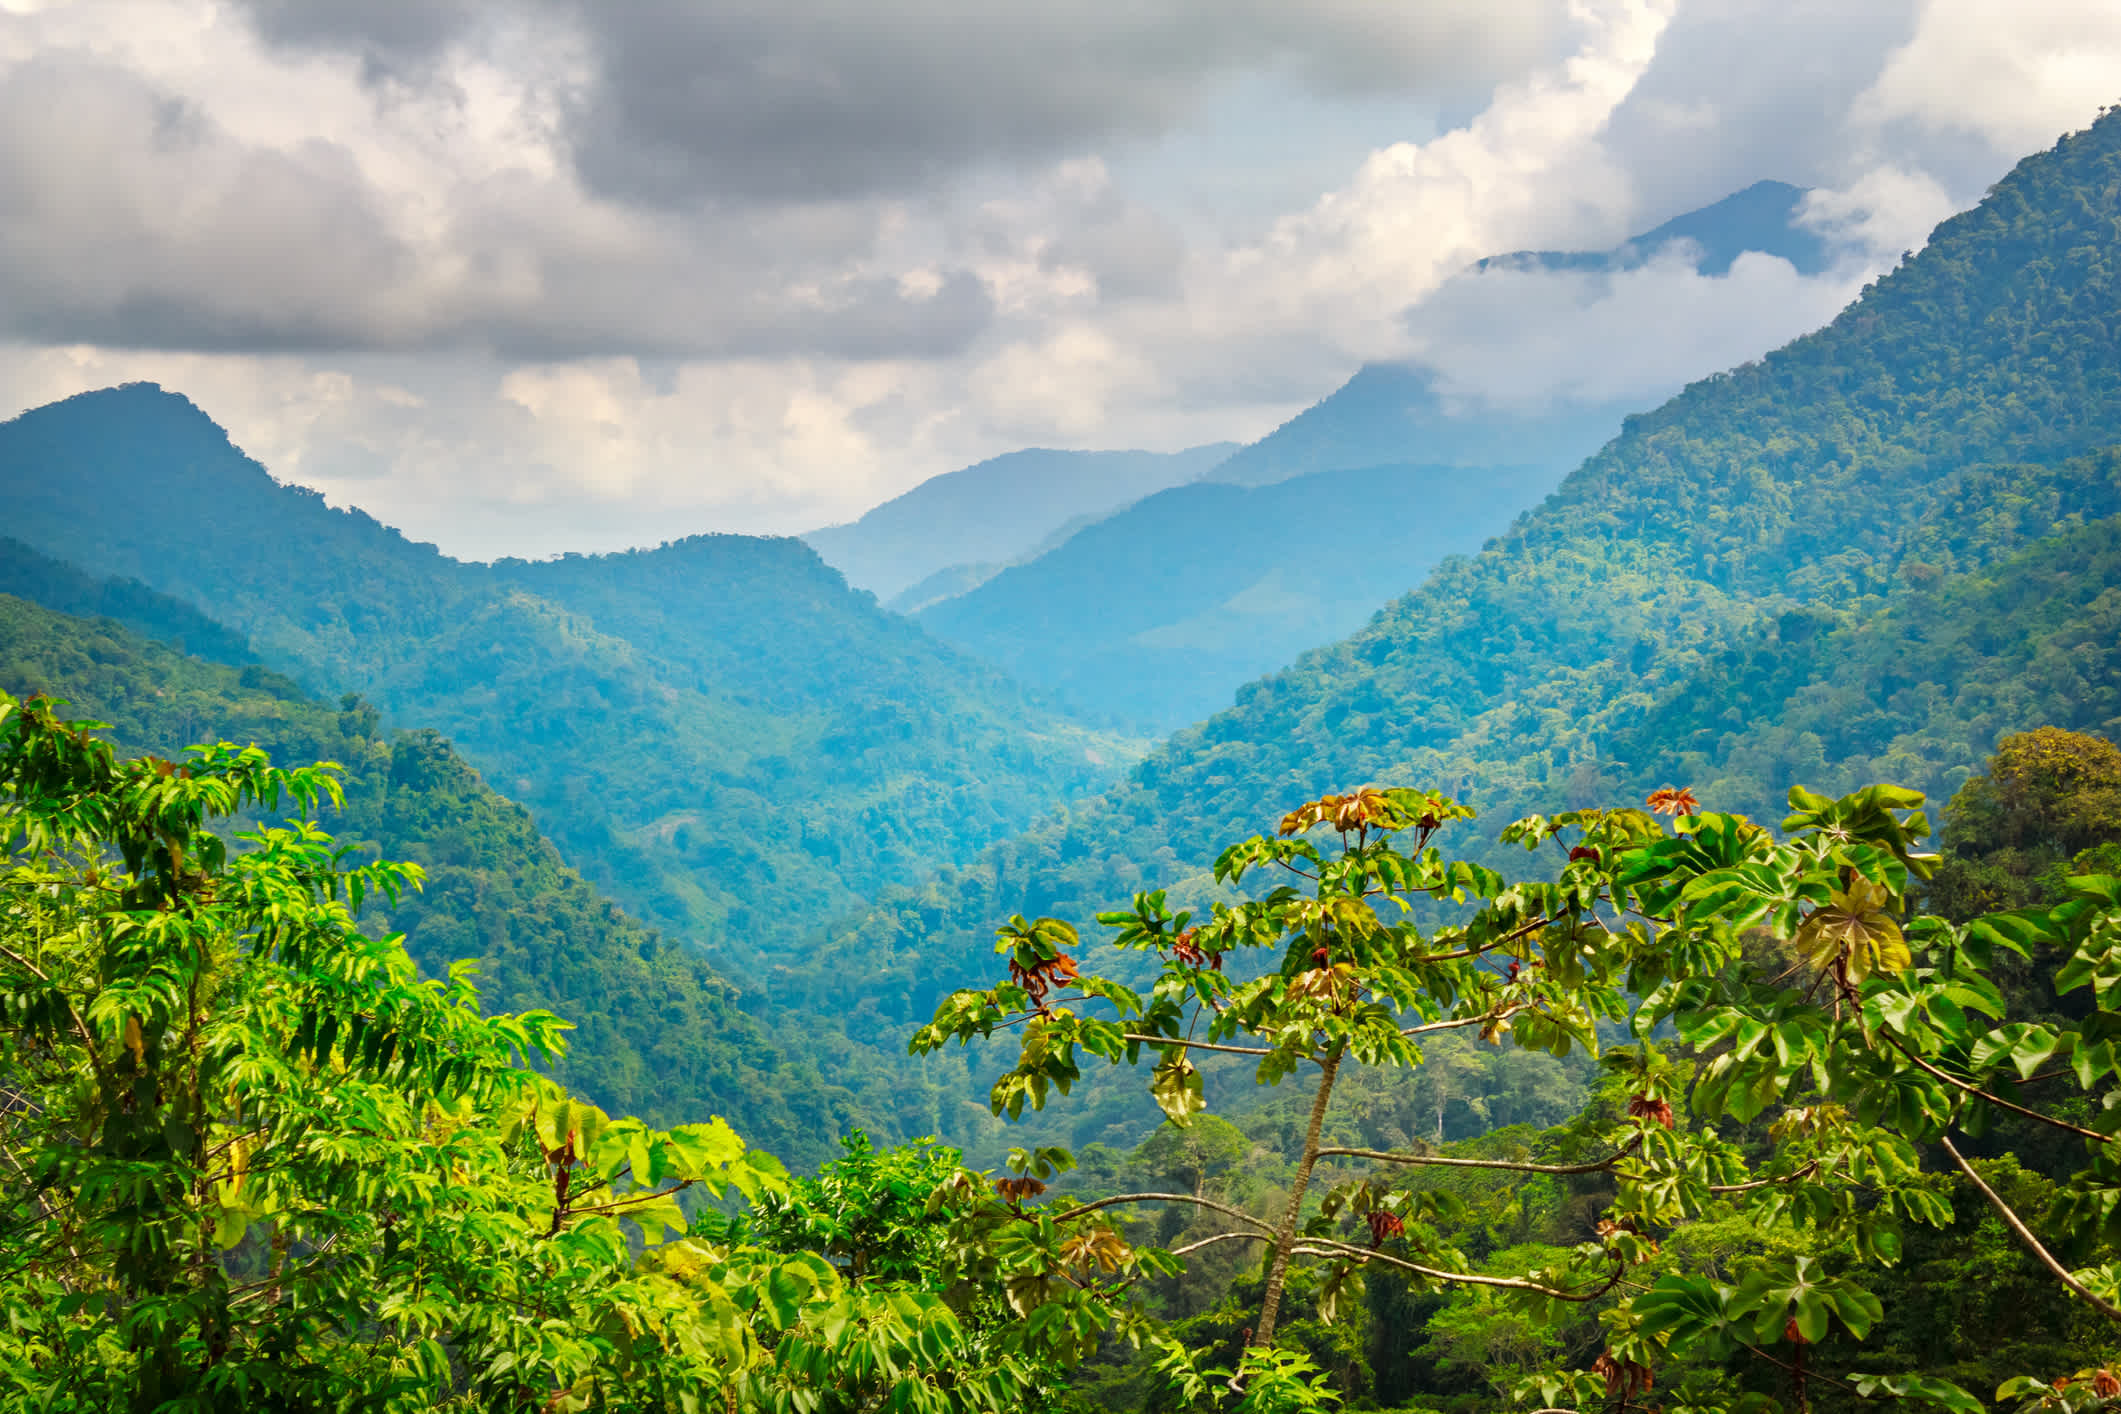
(1153, 618)
(1943, 423)
(659, 1033)
(720, 733)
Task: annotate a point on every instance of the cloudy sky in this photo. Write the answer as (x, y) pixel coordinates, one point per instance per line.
(528, 275)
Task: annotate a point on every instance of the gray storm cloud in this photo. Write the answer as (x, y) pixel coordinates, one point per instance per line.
(773, 100)
(524, 275)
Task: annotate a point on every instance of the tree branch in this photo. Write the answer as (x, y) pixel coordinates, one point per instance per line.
(1508, 1165)
(1507, 938)
(2025, 1234)
(1806, 1172)
(1220, 1237)
(1195, 1045)
(1327, 1247)
(1981, 1094)
(1225, 1209)
(88, 1039)
(1462, 1022)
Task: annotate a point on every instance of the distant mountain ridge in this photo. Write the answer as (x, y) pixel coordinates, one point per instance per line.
(1946, 434)
(1396, 413)
(1766, 217)
(1153, 618)
(658, 1032)
(719, 732)
(995, 511)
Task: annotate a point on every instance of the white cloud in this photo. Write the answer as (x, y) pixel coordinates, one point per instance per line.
(2015, 73)
(374, 242)
(1509, 338)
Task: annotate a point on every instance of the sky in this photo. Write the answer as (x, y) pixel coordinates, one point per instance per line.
(525, 276)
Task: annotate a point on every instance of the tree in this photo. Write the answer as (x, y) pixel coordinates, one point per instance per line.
(258, 1162)
(1804, 1000)
(2048, 805)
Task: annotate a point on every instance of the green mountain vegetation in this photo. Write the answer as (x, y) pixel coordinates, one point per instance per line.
(659, 1033)
(996, 511)
(1672, 1232)
(1152, 618)
(263, 1165)
(1947, 421)
(1736, 1100)
(719, 733)
(260, 1164)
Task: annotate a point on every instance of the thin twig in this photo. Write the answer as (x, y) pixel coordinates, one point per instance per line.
(2025, 1234)
(1220, 1237)
(1513, 1166)
(1979, 1093)
(1327, 1247)
(1225, 1209)
(1195, 1045)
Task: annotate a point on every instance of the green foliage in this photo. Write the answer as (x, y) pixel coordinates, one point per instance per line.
(2048, 804)
(661, 1034)
(263, 1164)
(1825, 1044)
(720, 733)
(1155, 616)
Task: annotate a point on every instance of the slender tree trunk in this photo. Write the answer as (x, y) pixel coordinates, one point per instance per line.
(1285, 1239)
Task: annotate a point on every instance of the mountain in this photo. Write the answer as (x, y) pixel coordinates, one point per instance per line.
(996, 511)
(1400, 413)
(1152, 618)
(1951, 421)
(718, 732)
(658, 1032)
(1765, 217)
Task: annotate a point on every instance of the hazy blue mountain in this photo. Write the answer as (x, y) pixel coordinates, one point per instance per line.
(996, 511)
(1763, 217)
(1153, 617)
(57, 585)
(1394, 413)
(1907, 473)
(720, 732)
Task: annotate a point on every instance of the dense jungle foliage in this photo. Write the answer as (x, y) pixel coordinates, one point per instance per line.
(635, 703)
(1921, 447)
(1829, 1153)
(660, 1034)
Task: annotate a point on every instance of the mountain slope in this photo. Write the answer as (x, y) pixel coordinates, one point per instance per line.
(1393, 413)
(658, 1032)
(1939, 424)
(772, 748)
(992, 512)
(1916, 693)
(1153, 617)
(1763, 217)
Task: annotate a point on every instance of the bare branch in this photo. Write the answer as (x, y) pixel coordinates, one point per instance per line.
(2025, 1234)
(1209, 1203)
(1196, 1045)
(1978, 1093)
(1508, 1165)
(1799, 1176)
(1486, 947)
(1465, 1021)
(1220, 1237)
(1327, 1247)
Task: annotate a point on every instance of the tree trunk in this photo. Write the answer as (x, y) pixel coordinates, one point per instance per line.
(1285, 1239)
